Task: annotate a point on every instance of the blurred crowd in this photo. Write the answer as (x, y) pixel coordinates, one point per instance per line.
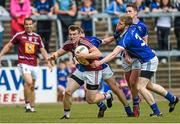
(67, 10)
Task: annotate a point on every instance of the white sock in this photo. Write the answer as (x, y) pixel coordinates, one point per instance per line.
(67, 113)
(28, 106)
(107, 95)
(32, 109)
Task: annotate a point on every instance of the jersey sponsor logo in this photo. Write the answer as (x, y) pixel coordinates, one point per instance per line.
(29, 48)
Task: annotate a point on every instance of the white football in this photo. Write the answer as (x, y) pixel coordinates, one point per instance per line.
(82, 49)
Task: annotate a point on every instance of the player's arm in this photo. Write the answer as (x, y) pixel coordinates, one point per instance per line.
(108, 40)
(6, 48)
(145, 39)
(112, 55)
(44, 54)
(94, 53)
(57, 54)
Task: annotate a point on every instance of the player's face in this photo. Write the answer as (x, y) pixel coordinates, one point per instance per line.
(121, 26)
(28, 26)
(131, 12)
(74, 36)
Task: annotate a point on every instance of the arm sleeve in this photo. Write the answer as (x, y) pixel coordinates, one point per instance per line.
(110, 8)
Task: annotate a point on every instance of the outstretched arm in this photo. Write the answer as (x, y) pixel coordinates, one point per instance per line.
(5, 49)
(108, 40)
(110, 56)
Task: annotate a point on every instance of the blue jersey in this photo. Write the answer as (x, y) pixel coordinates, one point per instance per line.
(96, 42)
(142, 31)
(135, 46)
(62, 77)
(142, 27)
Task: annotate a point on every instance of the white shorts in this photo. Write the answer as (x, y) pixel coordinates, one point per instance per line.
(151, 65)
(128, 67)
(107, 73)
(89, 77)
(24, 69)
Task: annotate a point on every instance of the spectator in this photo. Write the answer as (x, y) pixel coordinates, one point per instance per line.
(141, 6)
(115, 8)
(44, 7)
(155, 5)
(67, 12)
(62, 74)
(19, 10)
(163, 26)
(71, 67)
(87, 10)
(177, 25)
(3, 12)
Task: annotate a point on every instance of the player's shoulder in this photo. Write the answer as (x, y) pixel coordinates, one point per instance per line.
(142, 24)
(35, 34)
(18, 34)
(68, 43)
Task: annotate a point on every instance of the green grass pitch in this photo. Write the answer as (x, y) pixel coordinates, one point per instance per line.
(85, 113)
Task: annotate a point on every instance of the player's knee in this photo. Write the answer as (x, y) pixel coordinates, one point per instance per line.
(90, 100)
(133, 82)
(27, 85)
(68, 93)
(32, 88)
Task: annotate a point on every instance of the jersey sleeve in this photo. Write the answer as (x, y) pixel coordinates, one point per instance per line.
(145, 31)
(124, 42)
(41, 45)
(14, 40)
(67, 46)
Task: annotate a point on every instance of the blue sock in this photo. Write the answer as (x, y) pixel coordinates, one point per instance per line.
(100, 104)
(155, 108)
(170, 97)
(136, 101)
(128, 110)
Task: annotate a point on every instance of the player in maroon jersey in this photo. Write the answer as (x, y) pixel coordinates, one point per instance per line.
(28, 44)
(91, 76)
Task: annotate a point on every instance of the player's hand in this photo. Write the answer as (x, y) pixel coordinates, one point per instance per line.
(80, 55)
(51, 59)
(95, 64)
(128, 60)
(50, 66)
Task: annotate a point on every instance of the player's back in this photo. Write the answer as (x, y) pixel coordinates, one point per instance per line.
(135, 45)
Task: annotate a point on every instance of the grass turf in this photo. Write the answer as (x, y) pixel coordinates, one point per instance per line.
(85, 113)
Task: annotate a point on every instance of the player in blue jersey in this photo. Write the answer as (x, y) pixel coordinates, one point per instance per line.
(133, 70)
(131, 10)
(137, 48)
(107, 75)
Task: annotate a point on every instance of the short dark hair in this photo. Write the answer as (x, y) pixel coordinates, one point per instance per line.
(74, 28)
(127, 19)
(133, 5)
(28, 19)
